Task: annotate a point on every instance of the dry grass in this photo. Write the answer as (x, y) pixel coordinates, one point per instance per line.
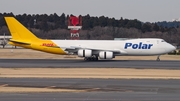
(105, 73)
(162, 57)
(4, 89)
(29, 54)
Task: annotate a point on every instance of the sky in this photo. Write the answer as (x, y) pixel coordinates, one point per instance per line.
(143, 10)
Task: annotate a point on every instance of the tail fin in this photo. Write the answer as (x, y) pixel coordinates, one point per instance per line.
(18, 31)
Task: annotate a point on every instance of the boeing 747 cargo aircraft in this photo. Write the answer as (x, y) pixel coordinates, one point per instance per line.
(89, 49)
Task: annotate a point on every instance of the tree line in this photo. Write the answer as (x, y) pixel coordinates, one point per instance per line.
(54, 26)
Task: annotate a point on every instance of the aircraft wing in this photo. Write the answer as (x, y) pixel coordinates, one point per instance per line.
(74, 49)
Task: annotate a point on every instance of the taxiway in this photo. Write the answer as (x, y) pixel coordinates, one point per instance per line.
(62, 63)
(94, 89)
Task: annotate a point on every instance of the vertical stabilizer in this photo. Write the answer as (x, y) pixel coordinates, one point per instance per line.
(18, 31)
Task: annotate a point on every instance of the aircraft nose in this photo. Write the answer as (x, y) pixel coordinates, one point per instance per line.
(171, 48)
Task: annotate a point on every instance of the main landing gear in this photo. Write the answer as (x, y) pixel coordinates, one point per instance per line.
(93, 58)
(158, 58)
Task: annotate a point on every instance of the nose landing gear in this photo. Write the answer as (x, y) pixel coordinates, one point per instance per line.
(158, 58)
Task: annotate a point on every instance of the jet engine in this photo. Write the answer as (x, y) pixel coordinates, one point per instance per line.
(105, 55)
(84, 53)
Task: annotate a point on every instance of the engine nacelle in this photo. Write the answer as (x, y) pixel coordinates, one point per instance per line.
(105, 55)
(84, 53)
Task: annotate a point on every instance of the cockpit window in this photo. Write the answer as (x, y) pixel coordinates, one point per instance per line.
(163, 41)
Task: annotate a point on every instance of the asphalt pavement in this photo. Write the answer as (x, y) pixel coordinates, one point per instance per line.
(74, 63)
(95, 89)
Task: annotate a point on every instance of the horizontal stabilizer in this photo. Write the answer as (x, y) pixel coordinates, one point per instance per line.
(19, 42)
